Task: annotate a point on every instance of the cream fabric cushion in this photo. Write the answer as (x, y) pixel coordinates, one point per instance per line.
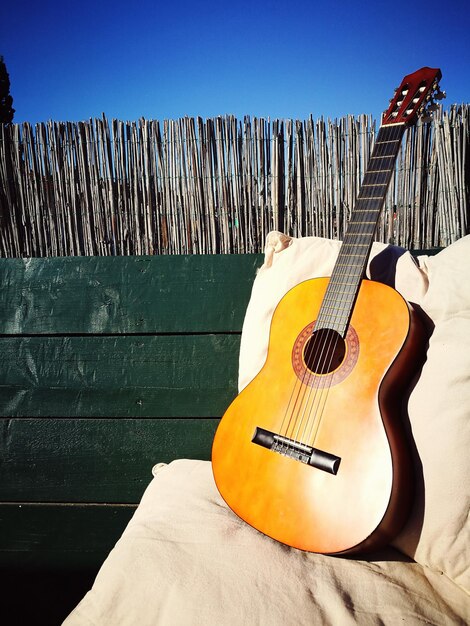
(186, 560)
(437, 534)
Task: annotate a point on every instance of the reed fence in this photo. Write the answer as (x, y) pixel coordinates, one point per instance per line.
(219, 185)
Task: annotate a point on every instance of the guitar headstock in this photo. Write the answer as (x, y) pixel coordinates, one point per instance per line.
(414, 96)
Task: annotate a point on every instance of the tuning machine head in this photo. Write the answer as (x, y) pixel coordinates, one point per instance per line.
(414, 95)
(430, 105)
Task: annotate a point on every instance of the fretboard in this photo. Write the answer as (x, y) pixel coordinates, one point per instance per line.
(350, 267)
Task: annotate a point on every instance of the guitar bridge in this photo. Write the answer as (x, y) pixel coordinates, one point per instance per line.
(296, 450)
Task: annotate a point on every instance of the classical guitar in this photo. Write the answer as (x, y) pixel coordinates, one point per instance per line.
(313, 452)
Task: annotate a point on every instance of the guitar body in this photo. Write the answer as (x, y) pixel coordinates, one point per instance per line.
(350, 413)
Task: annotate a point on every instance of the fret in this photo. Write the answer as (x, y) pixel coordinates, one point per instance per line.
(373, 188)
(351, 286)
(338, 303)
(385, 148)
(354, 225)
(336, 308)
(350, 254)
(361, 220)
(364, 230)
(340, 325)
(344, 297)
(365, 211)
(361, 233)
(333, 310)
(387, 161)
(371, 202)
(370, 190)
(345, 244)
(386, 133)
(362, 243)
(342, 286)
(377, 177)
(346, 264)
(354, 246)
(365, 235)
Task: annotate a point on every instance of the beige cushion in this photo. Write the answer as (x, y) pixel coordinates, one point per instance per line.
(186, 559)
(437, 534)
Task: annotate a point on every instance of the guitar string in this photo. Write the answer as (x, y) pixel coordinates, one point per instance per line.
(346, 272)
(324, 349)
(352, 277)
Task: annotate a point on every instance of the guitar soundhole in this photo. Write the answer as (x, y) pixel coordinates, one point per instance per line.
(322, 357)
(324, 351)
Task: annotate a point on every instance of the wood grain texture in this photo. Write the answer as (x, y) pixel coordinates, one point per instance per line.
(97, 460)
(123, 376)
(178, 294)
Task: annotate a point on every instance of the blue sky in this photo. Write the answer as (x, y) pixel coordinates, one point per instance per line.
(74, 60)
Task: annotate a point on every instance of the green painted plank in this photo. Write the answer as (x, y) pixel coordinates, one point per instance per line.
(161, 294)
(139, 294)
(99, 460)
(118, 376)
(59, 536)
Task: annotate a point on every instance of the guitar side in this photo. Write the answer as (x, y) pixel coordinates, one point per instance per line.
(350, 414)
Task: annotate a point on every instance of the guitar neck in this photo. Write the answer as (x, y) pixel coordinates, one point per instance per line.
(351, 264)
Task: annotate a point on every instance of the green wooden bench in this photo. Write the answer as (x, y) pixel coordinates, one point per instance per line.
(108, 366)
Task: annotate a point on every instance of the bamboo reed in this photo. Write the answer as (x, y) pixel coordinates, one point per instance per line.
(219, 185)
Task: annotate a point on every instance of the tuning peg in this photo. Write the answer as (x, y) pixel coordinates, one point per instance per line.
(440, 95)
(426, 117)
(433, 107)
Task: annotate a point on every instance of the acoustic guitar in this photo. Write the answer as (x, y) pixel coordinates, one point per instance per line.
(313, 451)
